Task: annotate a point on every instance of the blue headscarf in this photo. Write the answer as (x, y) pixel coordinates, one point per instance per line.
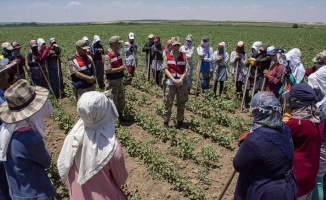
(266, 111)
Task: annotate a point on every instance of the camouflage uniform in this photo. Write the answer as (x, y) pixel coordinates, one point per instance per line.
(116, 85)
(172, 91)
(74, 68)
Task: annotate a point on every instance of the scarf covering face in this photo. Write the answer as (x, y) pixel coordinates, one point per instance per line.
(297, 69)
(305, 111)
(222, 50)
(91, 142)
(188, 42)
(205, 47)
(36, 122)
(266, 111)
(40, 41)
(96, 39)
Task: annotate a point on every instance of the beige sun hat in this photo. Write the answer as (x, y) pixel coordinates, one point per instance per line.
(22, 101)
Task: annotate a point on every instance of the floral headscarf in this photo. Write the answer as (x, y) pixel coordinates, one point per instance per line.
(266, 111)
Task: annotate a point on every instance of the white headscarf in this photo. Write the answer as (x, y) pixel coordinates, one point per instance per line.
(40, 41)
(224, 49)
(298, 70)
(317, 81)
(35, 122)
(96, 39)
(91, 142)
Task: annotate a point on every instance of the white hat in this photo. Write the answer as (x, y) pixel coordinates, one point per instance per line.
(131, 36)
(151, 36)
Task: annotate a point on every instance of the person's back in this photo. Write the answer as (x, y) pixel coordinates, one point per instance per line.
(265, 166)
(27, 159)
(105, 184)
(307, 138)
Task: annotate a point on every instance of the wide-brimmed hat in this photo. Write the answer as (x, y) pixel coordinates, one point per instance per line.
(4, 64)
(22, 101)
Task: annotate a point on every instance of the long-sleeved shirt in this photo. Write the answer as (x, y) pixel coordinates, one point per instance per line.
(105, 184)
(189, 52)
(27, 159)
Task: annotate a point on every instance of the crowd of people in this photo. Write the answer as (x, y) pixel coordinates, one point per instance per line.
(282, 156)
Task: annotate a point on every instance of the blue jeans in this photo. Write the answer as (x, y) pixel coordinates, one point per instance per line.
(4, 189)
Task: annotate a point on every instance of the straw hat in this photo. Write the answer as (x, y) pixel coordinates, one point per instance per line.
(23, 101)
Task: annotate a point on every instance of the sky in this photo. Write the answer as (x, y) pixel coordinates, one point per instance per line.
(60, 11)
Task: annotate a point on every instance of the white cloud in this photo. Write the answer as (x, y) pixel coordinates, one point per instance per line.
(311, 8)
(73, 4)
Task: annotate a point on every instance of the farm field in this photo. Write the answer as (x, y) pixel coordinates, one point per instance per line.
(193, 163)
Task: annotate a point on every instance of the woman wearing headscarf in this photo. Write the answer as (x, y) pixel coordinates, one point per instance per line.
(307, 132)
(89, 51)
(21, 141)
(188, 49)
(43, 49)
(293, 58)
(265, 157)
(205, 53)
(317, 81)
(33, 58)
(220, 60)
(21, 61)
(91, 158)
(319, 60)
(274, 74)
(238, 60)
(157, 54)
(98, 51)
(55, 71)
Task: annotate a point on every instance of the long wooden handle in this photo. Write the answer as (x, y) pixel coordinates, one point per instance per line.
(59, 77)
(236, 75)
(227, 184)
(245, 90)
(47, 81)
(198, 78)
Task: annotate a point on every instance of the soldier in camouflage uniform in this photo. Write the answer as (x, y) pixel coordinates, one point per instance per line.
(114, 69)
(82, 70)
(175, 68)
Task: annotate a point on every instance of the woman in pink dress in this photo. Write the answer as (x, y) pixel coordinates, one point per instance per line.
(91, 158)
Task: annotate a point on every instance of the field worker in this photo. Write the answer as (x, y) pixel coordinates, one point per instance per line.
(149, 57)
(131, 53)
(22, 147)
(307, 132)
(274, 74)
(4, 84)
(319, 61)
(175, 68)
(114, 69)
(20, 59)
(238, 60)
(251, 85)
(263, 61)
(317, 81)
(220, 60)
(7, 50)
(82, 70)
(43, 49)
(91, 158)
(89, 50)
(265, 157)
(293, 58)
(55, 71)
(188, 49)
(205, 53)
(168, 47)
(33, 57)
(157, 53)
(98, 52)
